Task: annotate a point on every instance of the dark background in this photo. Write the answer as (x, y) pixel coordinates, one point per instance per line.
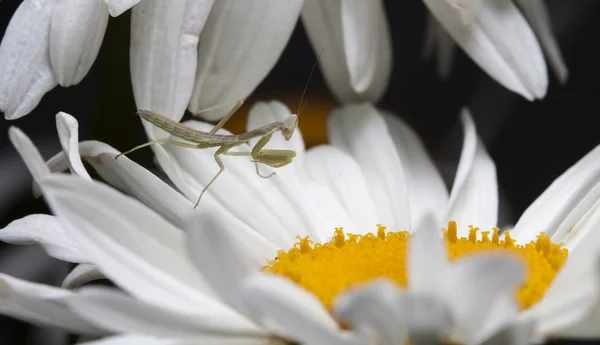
(532, 143)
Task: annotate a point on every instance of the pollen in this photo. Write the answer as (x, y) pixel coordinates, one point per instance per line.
(326, 269)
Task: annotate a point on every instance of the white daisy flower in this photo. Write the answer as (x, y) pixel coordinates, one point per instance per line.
(496, 34)
(224, 277)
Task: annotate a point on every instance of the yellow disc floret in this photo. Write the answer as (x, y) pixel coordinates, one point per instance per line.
(326, 269)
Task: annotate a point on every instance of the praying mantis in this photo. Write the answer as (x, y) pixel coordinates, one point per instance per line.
(201, 140)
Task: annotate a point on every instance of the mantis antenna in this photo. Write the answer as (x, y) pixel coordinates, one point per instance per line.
(312, 71)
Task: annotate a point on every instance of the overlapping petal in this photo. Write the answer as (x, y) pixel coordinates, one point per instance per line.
(500, 41)
(353, 40)
(117, 7)
(240, 44)
(25, 68)
(76, 33)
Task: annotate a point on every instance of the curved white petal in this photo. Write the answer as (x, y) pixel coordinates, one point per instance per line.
(362, 132)
(134, 247)
(224, 256)
(321, 204)
(371, 308)
(474, 195)
(353, 40)
(267, 205)
(76, 33)
(68, 134)
(116, 312)
(333, 167)
(549, 210)
(428, 319)
(500, 41)
(238, 47)
(537, 14)
(82, 274)
(427, 257)
(47, 231)
(569, 230)
(40, 304)
(514, 334)
(293, 310)
(468, 284)
(164, 43)
(135, 339)
(117, 7)
(29, 153)
(428, 194)
(440, 43)
(25, 70)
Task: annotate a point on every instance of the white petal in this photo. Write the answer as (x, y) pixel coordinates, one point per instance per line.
(68, 134)
(371, 308)
(468, 284)
(25, 70)
(335, 168)
(427, 317)
(82, 274)
(361, 131)
(569, 229)
(537, 14)
(47, 231)
(130, 339)
(547, 212)
(354, 43)
(29, 153)
(501, 42)
(428, 194)
(299, 313)
(446, 49)
(135, 248)
(321, 204)
(474, 196)
(114, 311)
(240, 44)
(515, 334)
(129, 176)
(40, 304)
(164, 43)
(117, 7)
(266, 205)
(222, 257)
(76, 33)
(427, 257)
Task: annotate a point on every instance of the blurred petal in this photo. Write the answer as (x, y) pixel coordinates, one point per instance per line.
(427, 257)
(500, 41)
(163, 55)
(537, 14)
(301, 316)
(82, 274)
(335, 168)
(428, 194)
(131, 339)
(25, 70)
(116, 312)
(515, 334)
(549, 210)
(354, 39)
(468, 284)
(47, 231)
(321, 204)
(117, 7)
(40, 304)
(68, 134)
(362, 132)
(29, 153)
(372, 307)
(474, 196)
(211, 241)
(239, 46)
(76, 33)
(132, 246)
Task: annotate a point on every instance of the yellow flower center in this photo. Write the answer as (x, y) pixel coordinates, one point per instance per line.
(326, 269)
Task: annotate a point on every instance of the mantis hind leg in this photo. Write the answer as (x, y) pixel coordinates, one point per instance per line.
(220, 151)
(157, 141)
(236, 107)
(261, 175)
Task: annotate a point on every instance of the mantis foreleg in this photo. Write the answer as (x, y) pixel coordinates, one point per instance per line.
(220, 151)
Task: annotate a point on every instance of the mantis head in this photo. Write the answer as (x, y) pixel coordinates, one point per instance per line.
(289, 126)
